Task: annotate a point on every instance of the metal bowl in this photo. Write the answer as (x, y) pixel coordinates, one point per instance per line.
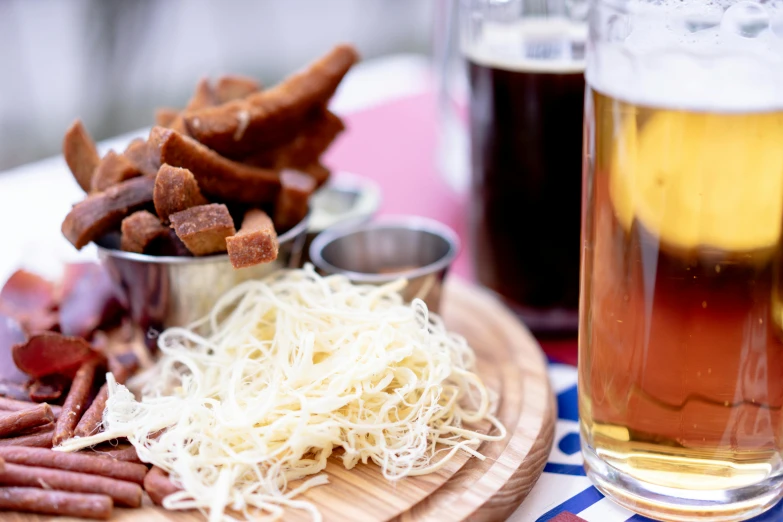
(345, 198)
(418, 249)
(162, 291)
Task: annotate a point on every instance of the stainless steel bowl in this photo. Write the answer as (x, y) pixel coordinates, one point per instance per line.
(345, 198)
(165, 291)
(418, 249)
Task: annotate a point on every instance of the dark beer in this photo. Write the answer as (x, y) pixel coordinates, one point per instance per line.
(526, 133)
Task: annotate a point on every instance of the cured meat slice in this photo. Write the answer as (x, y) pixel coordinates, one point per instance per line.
(50, 353)
(89, 300)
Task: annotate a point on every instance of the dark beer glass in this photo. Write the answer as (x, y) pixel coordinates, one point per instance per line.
(525, 64)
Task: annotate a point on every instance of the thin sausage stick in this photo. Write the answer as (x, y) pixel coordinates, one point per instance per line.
(13, 422)
(41, 439)
(123, 493)
(14, 405)
(122, 454)
(158, 486)
(79, 462)
(32, 500)
(93, 417)
(76, 402)
(49, 426)
(91, 421)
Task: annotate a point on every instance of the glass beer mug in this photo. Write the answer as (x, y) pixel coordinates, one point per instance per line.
(525, 65)
(681, 338)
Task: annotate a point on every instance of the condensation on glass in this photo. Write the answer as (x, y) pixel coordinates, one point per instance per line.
(681, 325)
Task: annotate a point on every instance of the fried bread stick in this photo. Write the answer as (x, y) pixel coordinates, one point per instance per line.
(80, 153)
(292, 203)
(255, 243)
(204, 228)
(217, 177)
(139, 230)
(113, 168)
(273, 116)
(233, 87)
(175, 190)
(101, 212)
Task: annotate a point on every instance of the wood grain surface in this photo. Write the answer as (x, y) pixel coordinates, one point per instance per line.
(511, 362)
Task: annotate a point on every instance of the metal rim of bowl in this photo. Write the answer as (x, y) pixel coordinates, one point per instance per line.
(298, 229)
(414, 223)
(368, 194)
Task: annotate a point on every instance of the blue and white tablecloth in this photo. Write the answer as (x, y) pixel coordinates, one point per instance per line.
(563, 487)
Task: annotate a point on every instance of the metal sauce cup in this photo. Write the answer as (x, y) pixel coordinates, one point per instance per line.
(162, 291)
(418, 249)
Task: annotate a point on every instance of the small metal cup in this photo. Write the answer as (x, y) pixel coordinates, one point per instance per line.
(418, 249)
(162, 291)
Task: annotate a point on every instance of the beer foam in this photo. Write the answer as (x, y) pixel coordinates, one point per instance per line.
(546, 45)
(721, 56)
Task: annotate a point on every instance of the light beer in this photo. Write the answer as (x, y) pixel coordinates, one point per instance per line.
(681, 303)
(681, 351)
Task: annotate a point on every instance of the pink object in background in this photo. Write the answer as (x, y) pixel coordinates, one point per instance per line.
(394, 144)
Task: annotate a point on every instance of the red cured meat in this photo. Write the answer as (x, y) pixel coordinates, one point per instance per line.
(25, 292)
(51, 353)
(89, 300)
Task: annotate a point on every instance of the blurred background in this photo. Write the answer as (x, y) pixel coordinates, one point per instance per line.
(112, 62)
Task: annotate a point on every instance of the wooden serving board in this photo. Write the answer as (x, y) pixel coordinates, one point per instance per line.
(510, 362)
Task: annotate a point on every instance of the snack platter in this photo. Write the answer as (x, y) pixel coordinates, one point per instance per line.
(203, 369)
(511, 362)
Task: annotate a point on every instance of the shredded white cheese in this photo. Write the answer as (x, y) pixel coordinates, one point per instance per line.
(290, 369)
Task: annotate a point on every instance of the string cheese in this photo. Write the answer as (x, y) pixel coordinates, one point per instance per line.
(246, 405)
